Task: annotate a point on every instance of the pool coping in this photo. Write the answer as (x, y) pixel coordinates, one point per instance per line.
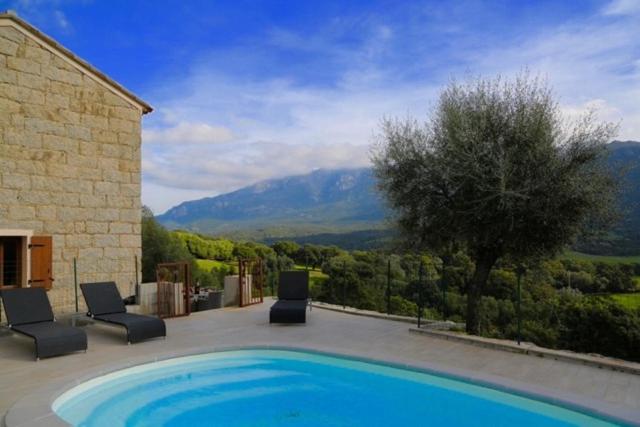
(526, 348)
(35, 409)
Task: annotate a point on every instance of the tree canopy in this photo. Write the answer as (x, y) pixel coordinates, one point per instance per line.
(159, 245)
(498, 172)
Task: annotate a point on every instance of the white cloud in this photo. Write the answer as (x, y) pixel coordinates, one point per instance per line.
(187, 133)
(42, 12)
(591, 64)
(279, 129)
(208, 170)
(601, 107)
(274, 127)
(385, 32)
(61, 20)
(160, 197)
(622, 7)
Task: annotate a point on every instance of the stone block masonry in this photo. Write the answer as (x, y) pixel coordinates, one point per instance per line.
(69, 165)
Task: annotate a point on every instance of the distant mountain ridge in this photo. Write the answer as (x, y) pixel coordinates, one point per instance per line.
(325, 204)
(624, 238)
(321, 201)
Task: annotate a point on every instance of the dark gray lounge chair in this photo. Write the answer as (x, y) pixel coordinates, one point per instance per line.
(29, 313)
(105, 304)
(293, 298)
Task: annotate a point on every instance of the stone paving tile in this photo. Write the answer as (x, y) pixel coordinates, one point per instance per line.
(615, 393)
(622, 379)
(326, 330)
(632, 397)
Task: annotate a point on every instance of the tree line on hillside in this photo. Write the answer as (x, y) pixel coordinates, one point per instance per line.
(564, 302)
(161, 245)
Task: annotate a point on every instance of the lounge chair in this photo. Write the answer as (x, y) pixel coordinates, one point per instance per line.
(29, 313)
(293, 298)
(105, 304)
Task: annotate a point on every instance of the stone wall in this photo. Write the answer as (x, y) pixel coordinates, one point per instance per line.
(69, 166)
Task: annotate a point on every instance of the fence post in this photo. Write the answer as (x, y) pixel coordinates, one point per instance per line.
(389, 286)
(420, 279)
(272, 280)
(75, 282)
(344, 285)
(137, 283)
(520, 271)
(443, 283)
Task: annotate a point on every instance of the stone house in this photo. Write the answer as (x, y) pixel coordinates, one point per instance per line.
(69, 169)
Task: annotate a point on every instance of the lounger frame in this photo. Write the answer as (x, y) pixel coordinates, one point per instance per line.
(29, 314)
(105, 305)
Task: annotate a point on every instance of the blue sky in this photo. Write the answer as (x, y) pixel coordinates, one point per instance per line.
(250, 90)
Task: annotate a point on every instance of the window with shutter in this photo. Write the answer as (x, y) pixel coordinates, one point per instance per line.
(11, 271)
(41, 262)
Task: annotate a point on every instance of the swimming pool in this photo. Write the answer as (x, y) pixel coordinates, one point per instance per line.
(264, 387)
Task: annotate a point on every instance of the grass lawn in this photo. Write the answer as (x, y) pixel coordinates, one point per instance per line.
(601, 258)
(208, 264)
(312, 273)
(316, 277)
(631, 301)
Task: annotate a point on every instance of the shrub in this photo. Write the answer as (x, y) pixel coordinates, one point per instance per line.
(402, 307)
(600, 325)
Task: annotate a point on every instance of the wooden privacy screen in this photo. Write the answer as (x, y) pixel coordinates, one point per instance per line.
(250, 281)
(41, 262)
(174, 289)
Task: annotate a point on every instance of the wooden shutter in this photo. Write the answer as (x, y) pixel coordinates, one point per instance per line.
(1, 265)
(41, 262)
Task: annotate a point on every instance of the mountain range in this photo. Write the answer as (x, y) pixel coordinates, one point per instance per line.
(624, 238)
(342, 206)
(323, 201)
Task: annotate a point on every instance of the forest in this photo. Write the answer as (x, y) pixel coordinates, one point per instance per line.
(566, 303)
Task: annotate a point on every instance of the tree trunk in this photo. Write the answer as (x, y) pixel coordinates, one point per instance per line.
(484, 263)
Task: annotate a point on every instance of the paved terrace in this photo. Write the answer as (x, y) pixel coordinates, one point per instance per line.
(599, 389)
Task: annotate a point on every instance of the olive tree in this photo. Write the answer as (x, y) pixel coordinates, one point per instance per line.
(497, 171)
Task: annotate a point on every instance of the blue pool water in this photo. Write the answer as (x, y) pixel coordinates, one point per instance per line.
(291, 388)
